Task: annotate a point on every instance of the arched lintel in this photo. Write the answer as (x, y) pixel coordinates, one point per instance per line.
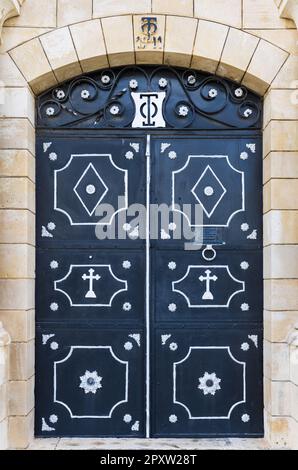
(67, 52)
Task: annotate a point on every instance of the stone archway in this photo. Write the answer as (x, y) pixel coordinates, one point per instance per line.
(61, 54)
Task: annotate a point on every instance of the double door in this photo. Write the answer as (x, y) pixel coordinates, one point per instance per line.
(149, 324)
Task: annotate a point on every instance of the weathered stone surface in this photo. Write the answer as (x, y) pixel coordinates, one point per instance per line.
(20, 324)
(237, 53)
(118, 34)
(61, 53)
(209, 43)
(179, 47)
(89, 43)
(20, 431)
(220, 12)
(69, 12)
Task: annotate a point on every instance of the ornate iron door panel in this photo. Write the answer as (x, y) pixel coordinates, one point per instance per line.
(208, 297)
(139, 335)
(91, 290)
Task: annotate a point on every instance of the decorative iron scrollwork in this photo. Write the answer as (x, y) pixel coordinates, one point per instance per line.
(188, 99)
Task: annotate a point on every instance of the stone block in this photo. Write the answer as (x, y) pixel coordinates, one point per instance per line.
(237, 53)
(17, 261)
(16, 294)
(262, 14)
(257, 77)
(280, 165)
(209, 43)
(21, 365)
(277, 325)
(32, 61)
(281, 294)
(61, 53)
(118, 34)
(17, 132)
(21, 397)
(17, 163)
(220, 11)
(102, 8)
(36, 13)
(179, 47)
(20, 431)
(69, 12)
(173, 7)
(150, 54)
(17, 226)
(280, 262)
(276, 361)
(89, 43)
(280, 227)
(20, 324)
(17, 193)
(281, 194)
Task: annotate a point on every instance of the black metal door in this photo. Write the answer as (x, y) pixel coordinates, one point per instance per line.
(138, 336)
(207, 307)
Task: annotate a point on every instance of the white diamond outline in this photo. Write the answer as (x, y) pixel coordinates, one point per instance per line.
(209, 214)
(100, 179)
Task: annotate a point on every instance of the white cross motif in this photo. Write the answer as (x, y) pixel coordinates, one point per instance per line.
(208, 294)
(91, 294)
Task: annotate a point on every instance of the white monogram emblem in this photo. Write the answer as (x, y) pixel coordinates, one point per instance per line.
(148, 109)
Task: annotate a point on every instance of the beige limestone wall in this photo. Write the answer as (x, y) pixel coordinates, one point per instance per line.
(244, 40)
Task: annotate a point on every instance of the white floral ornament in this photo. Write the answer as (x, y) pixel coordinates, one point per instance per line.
(50, 111)
(51, 226)
(244, 307)
(172, 226)
(191, 79)
(60, 94)
(90, 382)
(245, 418)
(173, 419)
(54, 264)
(90, 189)
(133, 84)
(245, 346)
(126, 227)
(209, 384)
(53, 156)
(172, 307)
(54, 345)
(212, 93)
(173, 346)
(129, 155)
(239, 92)
(126, 306)
(54, 306)
(53, 419)
(163, 82)
(172, 265)
(105, 79)
(172, 155)
(128, 346)
(244, 227)
(244, 155)
(127, 418)
(126, 264)
(114, 110)
(244, 265)
(85, 94)
(183, 110)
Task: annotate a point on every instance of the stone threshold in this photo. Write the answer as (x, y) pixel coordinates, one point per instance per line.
(149, 444)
